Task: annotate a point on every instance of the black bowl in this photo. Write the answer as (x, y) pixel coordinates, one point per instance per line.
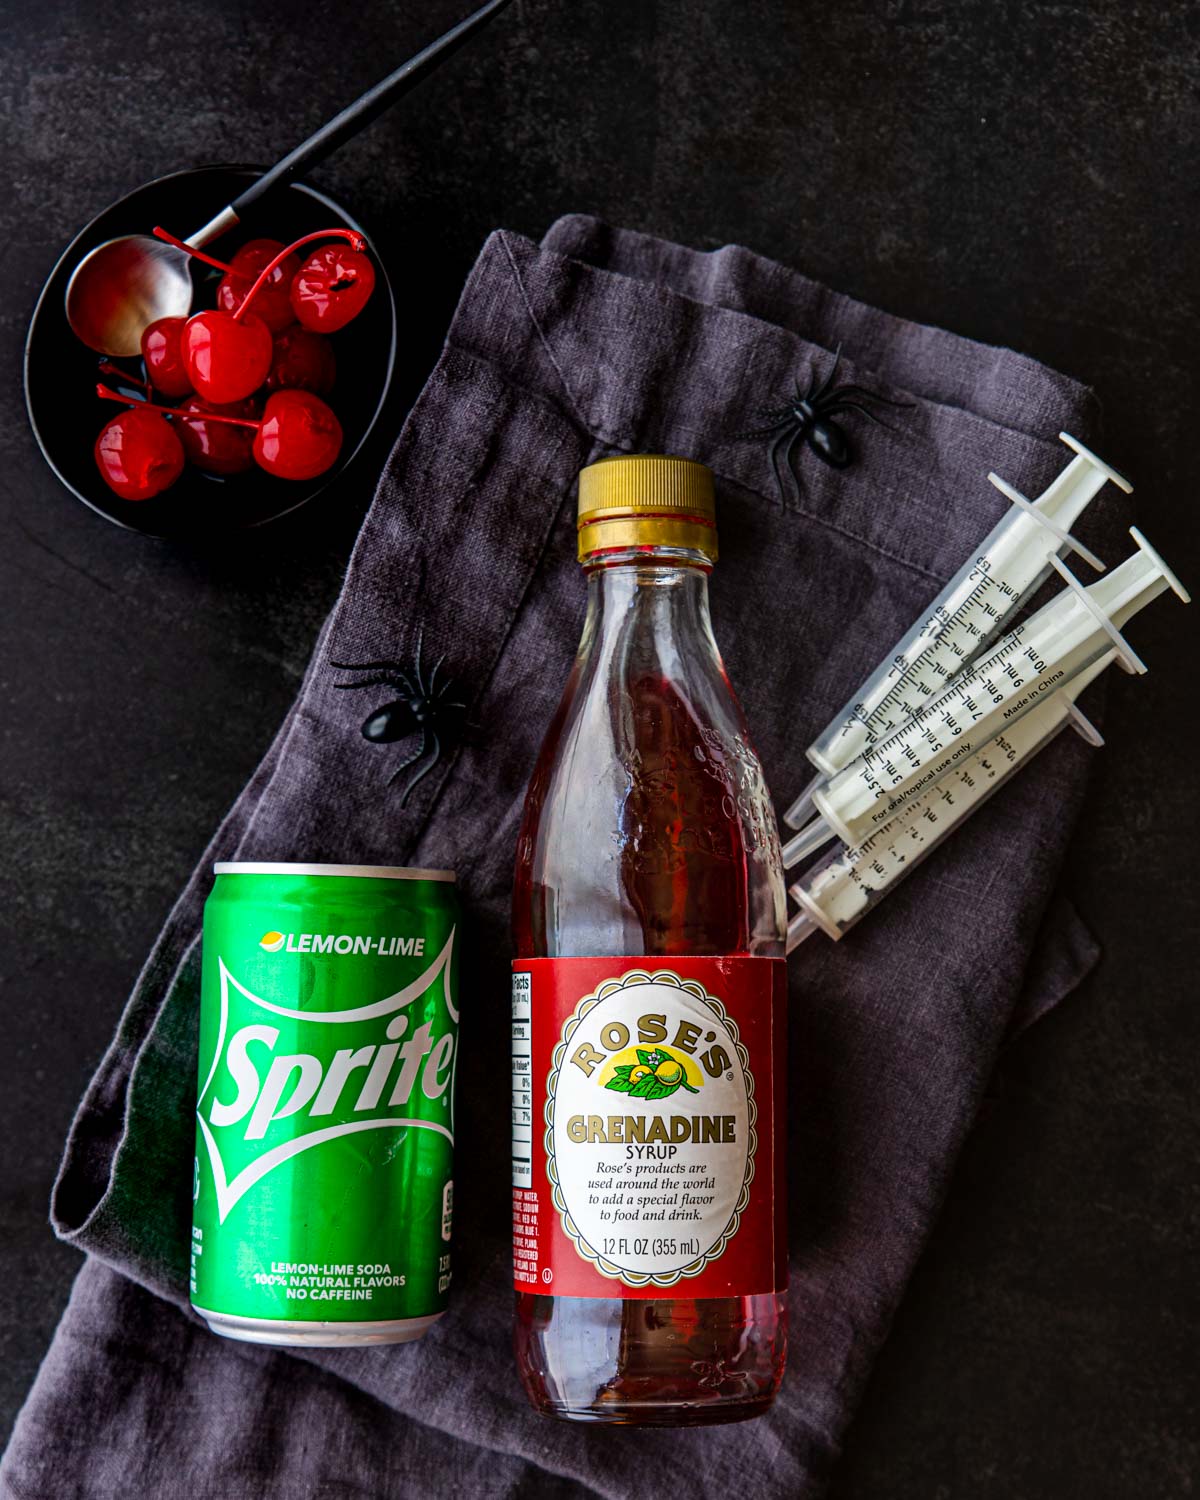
(61, 373)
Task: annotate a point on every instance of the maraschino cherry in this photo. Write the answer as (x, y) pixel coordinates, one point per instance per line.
(227, 355)
(139, 453)
(164, 358)
(302, 361)
(297, 436)
(273, 303)
(332, 287)
(217, 447)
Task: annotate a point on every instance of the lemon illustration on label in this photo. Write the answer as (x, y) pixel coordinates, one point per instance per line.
(655, 1075)
(271, 942)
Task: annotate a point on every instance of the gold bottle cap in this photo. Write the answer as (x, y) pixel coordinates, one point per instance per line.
(646, 500)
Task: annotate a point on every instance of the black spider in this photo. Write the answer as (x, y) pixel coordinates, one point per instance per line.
(423, 706)
(810, 417)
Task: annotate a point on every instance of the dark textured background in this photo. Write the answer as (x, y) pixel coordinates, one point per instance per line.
(1022, 173)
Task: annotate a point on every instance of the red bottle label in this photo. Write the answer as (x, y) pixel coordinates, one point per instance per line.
(648, 1129)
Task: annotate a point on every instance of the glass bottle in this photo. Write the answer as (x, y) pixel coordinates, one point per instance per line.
(648, 833)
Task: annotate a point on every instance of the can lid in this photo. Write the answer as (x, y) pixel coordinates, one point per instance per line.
(360, 872)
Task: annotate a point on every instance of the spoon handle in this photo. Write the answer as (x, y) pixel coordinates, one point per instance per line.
(366, 108)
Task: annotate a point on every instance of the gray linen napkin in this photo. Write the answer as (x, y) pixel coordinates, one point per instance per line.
(597, 341)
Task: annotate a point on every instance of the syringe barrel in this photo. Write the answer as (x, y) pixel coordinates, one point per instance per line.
(847, 883)
(1043, 655)
(1005, 569)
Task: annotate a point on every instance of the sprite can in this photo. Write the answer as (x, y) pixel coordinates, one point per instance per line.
(325, 1103)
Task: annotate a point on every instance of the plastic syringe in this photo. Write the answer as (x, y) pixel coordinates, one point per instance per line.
(1040, 656)
(1007, 566)
(848, 883)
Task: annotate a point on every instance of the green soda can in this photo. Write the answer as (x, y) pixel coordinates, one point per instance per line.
(323, 1176)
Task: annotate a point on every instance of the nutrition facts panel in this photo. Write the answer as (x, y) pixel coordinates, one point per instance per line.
(522, 1081)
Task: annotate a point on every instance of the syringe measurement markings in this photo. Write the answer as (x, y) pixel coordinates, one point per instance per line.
(956, 691)
(927, 661)
(959, 616)
(892, 801)
(881, 855)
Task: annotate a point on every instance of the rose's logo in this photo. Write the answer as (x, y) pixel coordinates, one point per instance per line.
(271, 942)
(656, 1075)
(614, 1041)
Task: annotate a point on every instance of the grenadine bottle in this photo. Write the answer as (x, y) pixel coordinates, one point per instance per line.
(649, 997)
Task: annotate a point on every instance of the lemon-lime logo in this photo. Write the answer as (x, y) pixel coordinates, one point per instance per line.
(653, 1073)
(388, 945)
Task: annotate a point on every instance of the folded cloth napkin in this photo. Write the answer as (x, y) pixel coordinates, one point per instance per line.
(597, 341)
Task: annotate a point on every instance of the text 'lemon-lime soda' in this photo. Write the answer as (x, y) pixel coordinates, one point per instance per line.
(323, 1175)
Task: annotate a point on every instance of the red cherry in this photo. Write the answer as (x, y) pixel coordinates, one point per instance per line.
(226, 356)
(163, 357)
(356, 242)
(139, 454)
(255, 254)
(331, 288)
(299, 436)
(302, 361)
(273, 302)
(217, 447)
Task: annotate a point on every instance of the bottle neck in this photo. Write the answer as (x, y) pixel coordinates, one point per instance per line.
(661, 598)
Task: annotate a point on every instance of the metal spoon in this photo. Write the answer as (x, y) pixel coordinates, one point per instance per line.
(122, 286)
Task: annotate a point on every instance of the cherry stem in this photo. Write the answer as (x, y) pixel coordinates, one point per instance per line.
(171, 411)
(161, 234)
(106, 367)
(356, 243)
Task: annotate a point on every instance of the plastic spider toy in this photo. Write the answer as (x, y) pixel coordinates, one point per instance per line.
(423, 706)
(809, 418)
